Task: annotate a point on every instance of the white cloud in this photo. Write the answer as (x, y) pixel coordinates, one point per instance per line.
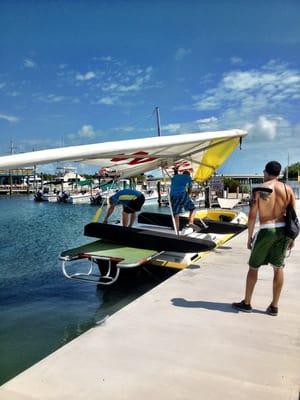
(296, 130)
(181, 53)
(52, 98)
(252, 89)
(119, 84)
(108, 101)
(9, 118)
(236, 60)
(244, 80)
(207, 103)
(2, 85)
(172, 128)
(203, 124)
(106, 58)
(37, 144)
(28, 63)
(263, 128)
(86, 77)
(112, 84)
(135, 85)
(87, 131)
(261, 100)
(125, 129)
(128, 128)
(207, 120)
(103, 58)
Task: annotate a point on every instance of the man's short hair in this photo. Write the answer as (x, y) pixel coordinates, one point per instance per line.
(273, 168)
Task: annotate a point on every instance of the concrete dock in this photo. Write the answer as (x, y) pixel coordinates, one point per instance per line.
(183, 341)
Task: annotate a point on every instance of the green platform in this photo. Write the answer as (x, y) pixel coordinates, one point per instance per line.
(128, 256)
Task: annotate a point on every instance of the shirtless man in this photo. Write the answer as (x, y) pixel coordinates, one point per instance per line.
(270, 244)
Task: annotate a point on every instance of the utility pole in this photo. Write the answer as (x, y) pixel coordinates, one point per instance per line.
(157, 120)
(287, 168)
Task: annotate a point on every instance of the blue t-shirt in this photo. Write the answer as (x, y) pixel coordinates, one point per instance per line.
(180, 183)
(125, 196)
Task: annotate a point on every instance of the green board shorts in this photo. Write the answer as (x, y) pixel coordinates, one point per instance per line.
(269, 247)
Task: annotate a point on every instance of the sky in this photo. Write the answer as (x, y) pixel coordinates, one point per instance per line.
(81, 72)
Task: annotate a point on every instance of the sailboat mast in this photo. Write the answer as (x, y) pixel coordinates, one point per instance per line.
(157, 120)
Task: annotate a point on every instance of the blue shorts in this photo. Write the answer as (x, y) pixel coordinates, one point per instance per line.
(181, 201)
(134, 205)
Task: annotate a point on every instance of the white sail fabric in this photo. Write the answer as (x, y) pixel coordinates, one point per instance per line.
(131, 157)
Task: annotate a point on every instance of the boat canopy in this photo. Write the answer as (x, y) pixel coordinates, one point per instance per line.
(85, 182)
(201, 153)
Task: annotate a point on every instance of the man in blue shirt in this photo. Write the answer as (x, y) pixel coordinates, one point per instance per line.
(131, 200)
(181, 186)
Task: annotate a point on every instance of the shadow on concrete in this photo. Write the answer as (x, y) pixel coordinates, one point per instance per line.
(209, 305)
(193, 266)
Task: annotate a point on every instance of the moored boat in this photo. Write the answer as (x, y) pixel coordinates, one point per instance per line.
(227, 203)
(79, 198)
(219, 214)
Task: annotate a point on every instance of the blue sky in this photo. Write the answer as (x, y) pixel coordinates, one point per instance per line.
(78, 72)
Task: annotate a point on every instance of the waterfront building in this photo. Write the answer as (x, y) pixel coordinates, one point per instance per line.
(246, 179)
(15, 176)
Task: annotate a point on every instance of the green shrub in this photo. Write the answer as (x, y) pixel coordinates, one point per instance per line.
(231, 184)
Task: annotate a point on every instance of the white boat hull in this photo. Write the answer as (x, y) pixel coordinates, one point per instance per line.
(52, 198)
(227, 203)
(79, 199)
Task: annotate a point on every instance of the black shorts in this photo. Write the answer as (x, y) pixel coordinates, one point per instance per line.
(134, 205)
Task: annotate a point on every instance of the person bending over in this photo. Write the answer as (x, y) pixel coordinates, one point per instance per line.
(131, 200)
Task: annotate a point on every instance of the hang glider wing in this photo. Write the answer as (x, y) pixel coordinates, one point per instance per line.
(203, 153)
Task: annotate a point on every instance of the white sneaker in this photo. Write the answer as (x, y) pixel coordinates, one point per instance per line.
(187, 230)
(195, 227)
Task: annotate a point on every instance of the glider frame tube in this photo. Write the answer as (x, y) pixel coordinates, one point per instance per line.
(108, 267)
(106, 278)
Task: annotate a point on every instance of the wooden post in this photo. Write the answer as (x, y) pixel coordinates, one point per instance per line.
(28, 186)
(159, 193)
(10, 183)
(207, 197)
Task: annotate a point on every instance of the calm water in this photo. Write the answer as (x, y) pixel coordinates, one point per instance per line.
(41, 310)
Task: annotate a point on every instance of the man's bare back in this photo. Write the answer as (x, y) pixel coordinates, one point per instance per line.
(271, 242)
(272, 206)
